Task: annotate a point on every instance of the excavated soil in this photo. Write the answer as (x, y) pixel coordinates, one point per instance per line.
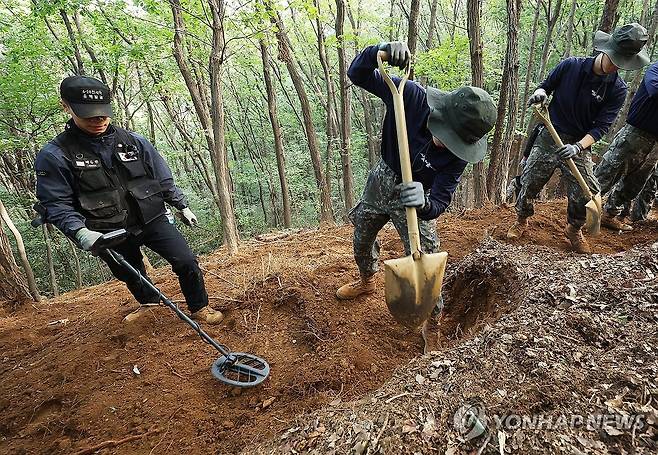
(72, 375)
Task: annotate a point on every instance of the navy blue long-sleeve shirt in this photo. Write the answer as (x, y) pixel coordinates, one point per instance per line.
(583, 102)
(55, 179)
(436, 168)
(643, 112)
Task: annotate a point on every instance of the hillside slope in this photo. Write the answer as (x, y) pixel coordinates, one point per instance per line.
(71, 385)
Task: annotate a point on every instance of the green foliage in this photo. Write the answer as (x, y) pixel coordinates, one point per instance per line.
(445, 66)
(132, 42)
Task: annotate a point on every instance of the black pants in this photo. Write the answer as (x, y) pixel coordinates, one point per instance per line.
(163, 238)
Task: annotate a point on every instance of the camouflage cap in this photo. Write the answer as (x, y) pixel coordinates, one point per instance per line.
(625, 47)
(461, 120)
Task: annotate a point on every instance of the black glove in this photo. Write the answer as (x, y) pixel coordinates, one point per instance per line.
(569, 150)
(539, 96)
(398, 53)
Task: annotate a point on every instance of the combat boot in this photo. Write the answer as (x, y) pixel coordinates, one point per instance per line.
(139, 312)
(353, 290)
(430, 334)
(612, 222)
(208, 315)
(578, 242)
(517, 228)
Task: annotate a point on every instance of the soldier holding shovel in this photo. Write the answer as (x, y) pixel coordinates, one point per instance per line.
(446, 131)
(587, 95)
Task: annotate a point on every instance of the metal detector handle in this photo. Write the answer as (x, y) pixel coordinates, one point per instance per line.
(403, 147)
(197, 328)
(108, 240)
(543, 115)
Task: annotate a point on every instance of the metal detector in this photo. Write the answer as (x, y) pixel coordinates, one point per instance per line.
(237, 369)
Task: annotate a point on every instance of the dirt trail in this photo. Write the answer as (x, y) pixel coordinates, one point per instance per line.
(67, 386)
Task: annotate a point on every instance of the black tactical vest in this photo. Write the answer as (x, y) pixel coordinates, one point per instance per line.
(124, 196)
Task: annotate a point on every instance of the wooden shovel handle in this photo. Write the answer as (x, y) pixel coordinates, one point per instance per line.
(542, 113)
(403, 147)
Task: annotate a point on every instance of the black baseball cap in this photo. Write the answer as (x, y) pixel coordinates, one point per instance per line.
(87, 96)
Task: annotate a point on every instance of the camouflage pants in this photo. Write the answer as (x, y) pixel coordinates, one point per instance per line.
(380, 204)
(539, 168)
(644, 201)
(626, 167)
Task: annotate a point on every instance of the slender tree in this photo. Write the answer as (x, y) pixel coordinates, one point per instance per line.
(345, 110)
(286, 55)
(213, 125)
(609, 15)
(276, 132)
(412, 30)
(506, 121)
(474, 11)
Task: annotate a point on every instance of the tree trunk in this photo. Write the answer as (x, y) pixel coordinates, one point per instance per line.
(477, 80)
(345, 110)
(13, 286)
(229, 226)
(76, 262)
(79, 66)
(276, 132)
(530, 64)
(373, 149)
(286, 55)
(507, 108)
(609, 16)
(432, 25)
(332, 126)
(49, 257)
(570, 27)
(412, 31)
(551, 21)
(29, 274)
(215, 126)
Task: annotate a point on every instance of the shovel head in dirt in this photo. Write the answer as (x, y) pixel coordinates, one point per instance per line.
(413, 286)
(413, 283)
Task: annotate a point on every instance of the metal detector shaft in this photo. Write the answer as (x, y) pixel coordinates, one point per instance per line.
(204, 336)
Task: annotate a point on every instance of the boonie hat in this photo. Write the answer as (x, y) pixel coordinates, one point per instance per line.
(625, 47)
(461, 120)
(87, 96)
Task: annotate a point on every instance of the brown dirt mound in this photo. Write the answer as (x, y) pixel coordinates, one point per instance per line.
(72, 384)
(569, 367)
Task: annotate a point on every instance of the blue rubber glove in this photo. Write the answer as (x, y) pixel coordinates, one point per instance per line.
(412, 194)
(86, 238)
(569, 150)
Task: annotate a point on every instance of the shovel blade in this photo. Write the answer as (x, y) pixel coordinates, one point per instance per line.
(413, 286)
(593, 215)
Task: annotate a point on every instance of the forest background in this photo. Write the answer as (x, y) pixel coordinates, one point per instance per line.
(250, 104)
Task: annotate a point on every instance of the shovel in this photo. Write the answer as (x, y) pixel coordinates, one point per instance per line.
(594, 207)
(413, 283)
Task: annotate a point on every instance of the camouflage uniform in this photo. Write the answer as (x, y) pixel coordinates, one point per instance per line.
(626, 167)
(380, 204)
(539, 168)
(644, 201)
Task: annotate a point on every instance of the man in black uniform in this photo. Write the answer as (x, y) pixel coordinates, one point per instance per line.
(95, 178)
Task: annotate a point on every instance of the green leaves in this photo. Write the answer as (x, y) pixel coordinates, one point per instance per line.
(446, 66)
